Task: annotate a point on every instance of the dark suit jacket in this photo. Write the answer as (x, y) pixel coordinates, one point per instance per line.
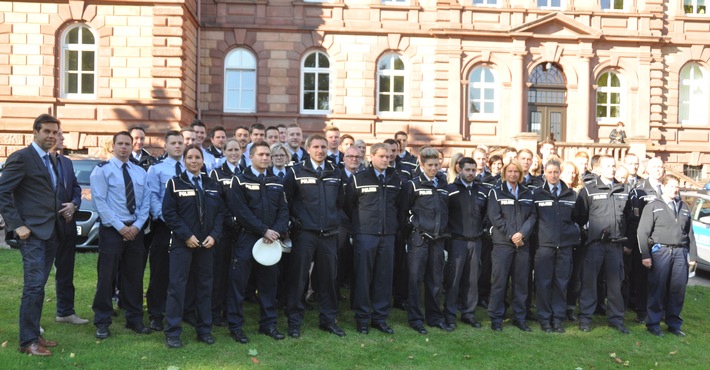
(27, 196)
(71, 191)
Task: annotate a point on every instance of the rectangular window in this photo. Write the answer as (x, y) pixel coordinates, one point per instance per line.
(485, 2)
(240, 94)
(694, 7)
(694, 172)
(549, 4)
(395, 2)
(612, 4)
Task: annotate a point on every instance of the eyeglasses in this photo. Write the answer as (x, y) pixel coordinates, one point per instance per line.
(279, 156)
(353, 157)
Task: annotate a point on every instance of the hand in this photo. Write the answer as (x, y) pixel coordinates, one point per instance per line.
(23, 232)
(67, 211)
(647, 262)
(208, 242)
(271, 236)
(192, 242)
(517, 239)
(128, 232)
(627, 251)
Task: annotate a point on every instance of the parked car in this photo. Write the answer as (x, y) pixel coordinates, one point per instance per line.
(87, 219)
(699, 203)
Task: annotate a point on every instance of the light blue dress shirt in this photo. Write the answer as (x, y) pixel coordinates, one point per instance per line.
(158, 176)
(210, 161)
(108, 191)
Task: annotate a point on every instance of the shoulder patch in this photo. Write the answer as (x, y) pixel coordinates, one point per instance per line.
(102, 164)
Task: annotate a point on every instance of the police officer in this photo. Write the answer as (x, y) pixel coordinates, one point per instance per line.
(467, 212)
(601, 204)
(667, 243)
(258, 202)
(118, 188)
(200, 130)
(218, 137)
(424, 209)
(352, 160)
(512, 214)
(371, 202)
(558, 234)
(314, 192)
(193, 209)
(158, 176)
(140, 156)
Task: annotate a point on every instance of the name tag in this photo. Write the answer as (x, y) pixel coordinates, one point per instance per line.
(507, 202)
(424, 192)
(307, 181)
(227, 182)
(186, 193)
(545, 204)
(369, 190)
(599, 196)
(252, 186)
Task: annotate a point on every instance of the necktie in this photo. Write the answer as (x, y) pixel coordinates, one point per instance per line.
(658, 189)
(59, 169)
(319, 171)
(51, 171)
(281, 175)
(178, 169)
(200, 197)
(130, 195)
(382, 178)
(261, 178)
(436, 183)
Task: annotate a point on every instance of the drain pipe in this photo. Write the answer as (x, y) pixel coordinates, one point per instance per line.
(198, 60)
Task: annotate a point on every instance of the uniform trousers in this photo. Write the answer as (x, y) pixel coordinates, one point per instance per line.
(113, 250)
(373, 257)
(222, 259)
(461, 278)
(310, 246)
(37, 259)
(159, 261)
(639, 282)
(197, 263)
(553, 268)
(267, 278)
(426, 264)
(64, 276)
(667, 280)
(484, 280)
(400, 286)
(609, 257)
(508, 261)
(575, 280)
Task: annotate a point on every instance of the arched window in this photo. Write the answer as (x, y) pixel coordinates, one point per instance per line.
(693, 100)
(609, 96)
(482, 96)
(315, 83)
(391, 81)
(240, 82)
(78, 62)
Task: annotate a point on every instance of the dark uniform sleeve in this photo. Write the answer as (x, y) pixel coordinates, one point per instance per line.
(405, 205)
(237, 202)
(171, 213)
(12, 176)
(350, 202)
(495, 215)
(645, 229)
(281, 222)
(582, 208)
(289, 188)
(218, 226)
(529, 225)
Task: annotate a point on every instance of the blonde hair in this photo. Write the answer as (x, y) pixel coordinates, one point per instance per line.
(452, 172)
(513, 162)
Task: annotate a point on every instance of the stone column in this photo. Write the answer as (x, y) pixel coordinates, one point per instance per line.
(517, 106)
(579, 120)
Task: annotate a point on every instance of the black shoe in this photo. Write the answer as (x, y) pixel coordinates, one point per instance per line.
(239, 336)
(656, 331)
(156, 325)
(419, 328)
(294, 331)
(190, 318)
(362, 328)
(206, 338)
(383, 327)
(571, 316)
(496, 326)
(139, 328)
(272, 332)
(471, 321)
(332, 328)
(522, 325)
(218, 321)
(640, 319)
(546, 328)
(443, 326)
(102, 332)
(557, 328)
(620, 327)
(585, 328)
(676, 332)
(173, 342)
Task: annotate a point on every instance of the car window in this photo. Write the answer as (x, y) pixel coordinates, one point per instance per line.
(82, 170)
(702, 212)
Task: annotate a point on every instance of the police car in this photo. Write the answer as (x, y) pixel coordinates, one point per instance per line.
(699, 203)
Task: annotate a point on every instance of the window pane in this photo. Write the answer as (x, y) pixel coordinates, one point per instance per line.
(87, 37)
(488, 107)
(488, 75)
(323, 82)
(248, 80)
(73, 36)
(615, 98)
(309, 81)
(398, 64)
(72, 83)
(473, 107)
(87, 83)
(72, 60)
(602, 98)
(384, 63)
(615, 81)
(248, 101)
(603, 79)
(488, 94)
(87, 61)
(601, 111)
(384, 84)
(323, 61)
(614, 112)
(310, 61)
(476, 75)
(323, 101)
(309, 101)
(232, 79)
(475, 93)
(384, 103)
(399, 103)
(398, 84)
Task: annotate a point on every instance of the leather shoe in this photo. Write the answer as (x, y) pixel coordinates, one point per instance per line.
(419, 329)
(138, 328)
(72, 319)
(272, 332)
(677, 332)
(620, 327)
(522, 325)
(496, 326)
(585, 328)
(333, 328)
(471, 321)
(656, 331)
(35, 349)
(383, 327)
(102, 332)
(557, 328)
(571, 316)
(442, 325)
(206, 338)
(156, 325)
(173, 342)
(362, 328)
(239, 336)
(47, 343)
(640, 319)
(294, 331)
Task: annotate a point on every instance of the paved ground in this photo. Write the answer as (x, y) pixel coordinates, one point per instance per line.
(701, 278)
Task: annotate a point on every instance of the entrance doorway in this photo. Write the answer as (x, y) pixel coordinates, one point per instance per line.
(547, 102)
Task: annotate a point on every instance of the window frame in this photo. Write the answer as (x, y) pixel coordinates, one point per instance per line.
(241, 69)
(317, 70)
(80, 48)
(392, 73)
(621, 90)
(550, 7)
(611, 9)
(701, 101)
(483, 85)
(694, 5)
(396, 2)
(487, 3)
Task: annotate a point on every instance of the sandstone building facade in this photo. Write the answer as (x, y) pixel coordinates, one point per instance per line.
(454, 73)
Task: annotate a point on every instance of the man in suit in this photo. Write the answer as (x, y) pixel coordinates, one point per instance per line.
(30, 204)
(66, 251)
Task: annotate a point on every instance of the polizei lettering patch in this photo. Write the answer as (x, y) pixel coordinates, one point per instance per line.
(186, 193)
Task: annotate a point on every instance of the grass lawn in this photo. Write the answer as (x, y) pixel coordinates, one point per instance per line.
(603, 348)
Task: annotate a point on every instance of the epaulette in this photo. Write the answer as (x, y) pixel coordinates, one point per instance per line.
(102, 164)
